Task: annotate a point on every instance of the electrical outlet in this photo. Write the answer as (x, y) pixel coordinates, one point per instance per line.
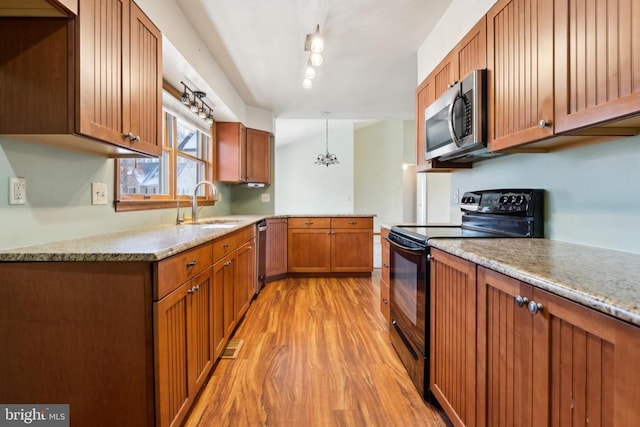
(17, 191)
(98, 193)
(266, 197)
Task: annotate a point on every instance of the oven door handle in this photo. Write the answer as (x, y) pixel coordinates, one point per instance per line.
(405, 248)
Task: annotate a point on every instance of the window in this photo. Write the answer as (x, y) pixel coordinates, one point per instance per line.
(152, 183)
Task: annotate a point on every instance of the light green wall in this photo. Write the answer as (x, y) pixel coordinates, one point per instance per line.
(593, 192)
(249, 200)
(380, 149)
(304, 187)
(59, 197)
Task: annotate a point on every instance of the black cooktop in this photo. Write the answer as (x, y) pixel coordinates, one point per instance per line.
(427, 232)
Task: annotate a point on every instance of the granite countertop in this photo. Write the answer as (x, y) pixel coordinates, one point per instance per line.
(148, 244)
(606, 280)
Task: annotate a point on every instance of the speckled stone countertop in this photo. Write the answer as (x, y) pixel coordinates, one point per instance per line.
(149, 244)
(606, 280)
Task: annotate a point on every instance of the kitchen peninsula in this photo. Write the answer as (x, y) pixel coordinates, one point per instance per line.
(126, 327)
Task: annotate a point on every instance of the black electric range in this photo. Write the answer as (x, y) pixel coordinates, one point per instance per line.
(486, 214)
(512, 213)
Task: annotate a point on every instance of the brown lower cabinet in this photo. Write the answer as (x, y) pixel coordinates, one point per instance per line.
(184, 346)
(330, 245)
(549, 362)
(126, 343)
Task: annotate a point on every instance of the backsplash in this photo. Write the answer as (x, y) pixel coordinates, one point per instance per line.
(593, 192)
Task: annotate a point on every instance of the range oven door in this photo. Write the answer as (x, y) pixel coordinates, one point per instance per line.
(409, 295)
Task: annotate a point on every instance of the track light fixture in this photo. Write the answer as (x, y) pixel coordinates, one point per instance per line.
(314, 44)
(195, 100)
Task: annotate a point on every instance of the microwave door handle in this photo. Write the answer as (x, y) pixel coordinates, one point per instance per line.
(452, 129)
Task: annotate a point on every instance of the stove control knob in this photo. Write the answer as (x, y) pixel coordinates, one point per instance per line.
(519, 200)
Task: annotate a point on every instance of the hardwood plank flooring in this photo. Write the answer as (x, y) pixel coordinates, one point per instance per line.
(316, 353)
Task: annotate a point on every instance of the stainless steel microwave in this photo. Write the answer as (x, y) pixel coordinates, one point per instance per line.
(455, 124)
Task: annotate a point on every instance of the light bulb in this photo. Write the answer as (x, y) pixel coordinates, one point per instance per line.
(185, 98)
(310, 73)
(316, 59)
(209, 119)
(307, 84)
(202, 113)
(194, 107)
(317, 44)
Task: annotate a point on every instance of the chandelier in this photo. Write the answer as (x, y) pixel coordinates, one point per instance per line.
(327, 158)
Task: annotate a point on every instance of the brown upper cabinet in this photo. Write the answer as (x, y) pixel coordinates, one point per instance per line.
(596, 62)
(468, 55)
(520, 72)
(67, 85)
(243, 155)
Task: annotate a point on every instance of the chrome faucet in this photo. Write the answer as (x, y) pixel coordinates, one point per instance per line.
(194, 205)
(178, 219)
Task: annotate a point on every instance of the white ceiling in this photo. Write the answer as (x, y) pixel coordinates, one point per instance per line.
(369, 69)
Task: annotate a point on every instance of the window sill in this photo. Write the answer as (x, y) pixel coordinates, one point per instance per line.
(140, 205)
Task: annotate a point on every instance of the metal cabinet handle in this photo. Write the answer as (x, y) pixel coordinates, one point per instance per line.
(308, 223)
(452, 84)
(429, 257)
(385, 301)
(225, 245)
(535, 307)
(353, 222)
(543, 123)
(521, 301)
(132, 138)
(192, 263)
(385, 265)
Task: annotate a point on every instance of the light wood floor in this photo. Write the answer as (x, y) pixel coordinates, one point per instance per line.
(315, 353)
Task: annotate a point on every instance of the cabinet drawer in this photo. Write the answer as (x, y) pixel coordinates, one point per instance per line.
(245, 234)
(322, 222)
(352, 222)
(224, 245)
(174, 271)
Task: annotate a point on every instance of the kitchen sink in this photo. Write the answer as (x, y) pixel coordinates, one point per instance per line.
(215, 223)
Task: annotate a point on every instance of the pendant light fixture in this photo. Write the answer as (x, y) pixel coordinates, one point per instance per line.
(314, 44)
(327, 158)
(194, 99)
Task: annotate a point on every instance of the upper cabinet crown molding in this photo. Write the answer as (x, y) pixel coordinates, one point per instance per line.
(70, 86)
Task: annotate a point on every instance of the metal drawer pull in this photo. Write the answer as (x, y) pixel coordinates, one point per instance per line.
(226, 245)
(192, 263)
(535, 307)
(308, 223)
(193, 289)
(353, 222)
(521, 301)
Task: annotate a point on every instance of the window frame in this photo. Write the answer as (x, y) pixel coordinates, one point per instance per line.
(137, 202)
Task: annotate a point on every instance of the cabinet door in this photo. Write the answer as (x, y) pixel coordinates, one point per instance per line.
(597, 66)
(231, 143)
(200, 327)
(173, 393)
(425, 95)
(309, 251)
(276, 256)
(453, 336)
(471, 52)
(145, 84)
(245, 276)
(352, 250)
(586, 364)
(258, 156)
(520, 77)
(505, 363)
(219, 337)
(103, 81)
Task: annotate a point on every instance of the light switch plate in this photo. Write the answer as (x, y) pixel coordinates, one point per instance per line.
(266, 197)
(98, 193)
(17, 191)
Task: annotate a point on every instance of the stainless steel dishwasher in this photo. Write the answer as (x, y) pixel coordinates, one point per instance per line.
(262, 254)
